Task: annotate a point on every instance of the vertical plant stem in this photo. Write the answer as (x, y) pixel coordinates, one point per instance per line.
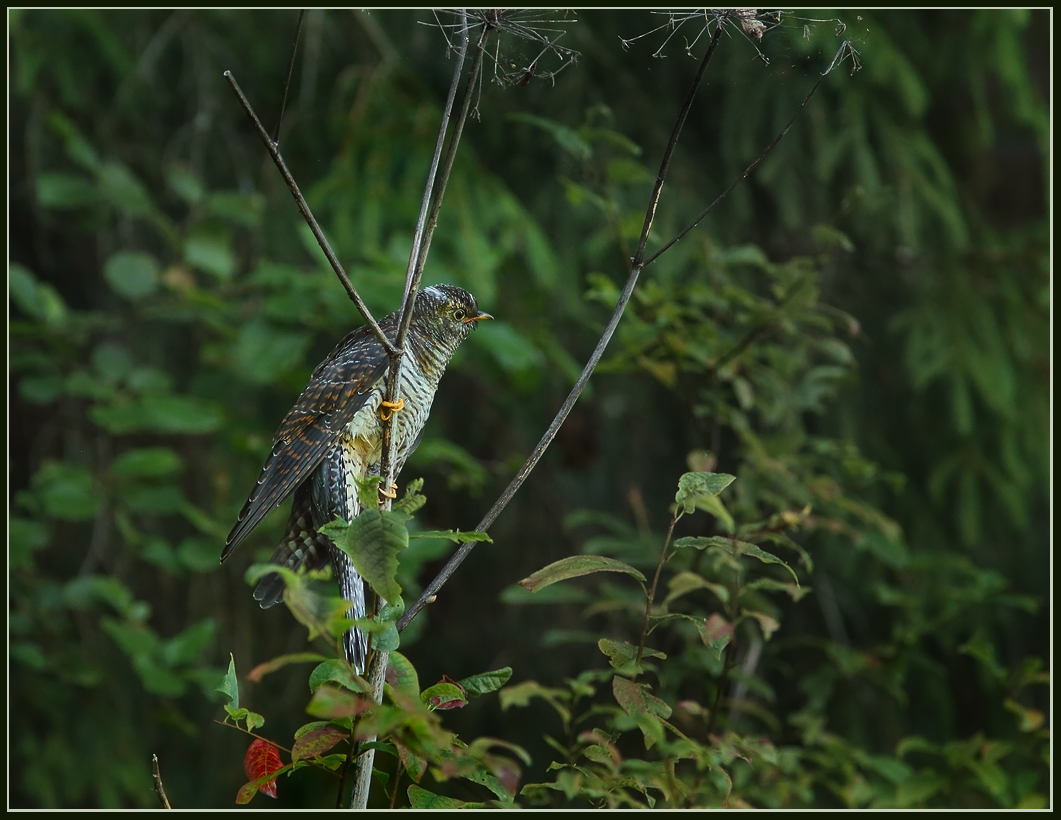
(417, 253)
(651, 595)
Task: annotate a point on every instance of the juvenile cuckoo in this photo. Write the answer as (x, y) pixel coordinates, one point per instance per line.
(334, 434)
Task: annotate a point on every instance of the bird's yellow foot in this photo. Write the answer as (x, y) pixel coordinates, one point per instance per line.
(389, 408)
(391, 493)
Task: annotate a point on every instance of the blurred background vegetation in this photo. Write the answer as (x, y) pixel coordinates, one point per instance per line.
(862, 327)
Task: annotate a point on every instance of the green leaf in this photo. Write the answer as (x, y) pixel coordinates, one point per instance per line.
(152, 498)
(573, 567)
(412, 500)
(209, 248)
(443, 696)
(146, 462)
(24, 537)
(685, 582)
(423, 799)
(185, 183)
(132, 274)
(112, 361)
(373, 541)
(767, 623)
(83, 591)
(265, 350)
(733, 547)
(67, 492)
(692, 485)
(621, 654)
(638, 702)
(38, 300)
(63, 191)
(124, 190)
(336, 671)
(486, 682)
(457, 536)
(159, 413)
(186, 647)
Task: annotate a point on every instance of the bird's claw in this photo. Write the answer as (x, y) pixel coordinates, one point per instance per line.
(389, 408)
(391, 493)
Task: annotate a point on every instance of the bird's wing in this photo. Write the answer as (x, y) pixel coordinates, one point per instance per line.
(339, 387)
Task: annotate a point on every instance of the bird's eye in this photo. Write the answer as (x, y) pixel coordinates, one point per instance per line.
(459, 314)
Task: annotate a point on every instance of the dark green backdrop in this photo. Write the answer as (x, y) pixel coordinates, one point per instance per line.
(878, 290)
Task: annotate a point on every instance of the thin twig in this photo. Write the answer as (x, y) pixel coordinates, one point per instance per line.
(561, 416)
(287, 82)
(160, 790)
(650, 597)
(303, 208)
(844, 49)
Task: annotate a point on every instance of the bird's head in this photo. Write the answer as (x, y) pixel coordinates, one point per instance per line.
(450, 312)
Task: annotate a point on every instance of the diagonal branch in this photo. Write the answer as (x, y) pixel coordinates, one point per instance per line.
(303, 208)
(598, 352)
(287, 82)
(845, 48)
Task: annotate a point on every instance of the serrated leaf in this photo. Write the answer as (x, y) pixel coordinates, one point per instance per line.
(413, 499)
(574, 567)
(229, 686)
(373, 541)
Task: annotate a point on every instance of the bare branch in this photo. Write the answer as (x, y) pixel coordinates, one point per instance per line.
(303, 207)
(845, 51)
(565, 410)
(287, 82)
(160, 790)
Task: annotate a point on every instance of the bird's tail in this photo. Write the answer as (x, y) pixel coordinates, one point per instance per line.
(352, 588)
(303, 546)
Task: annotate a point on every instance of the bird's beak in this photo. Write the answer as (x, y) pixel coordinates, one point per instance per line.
(480, 318)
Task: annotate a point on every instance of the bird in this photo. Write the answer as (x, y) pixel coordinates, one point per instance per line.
(334, 434)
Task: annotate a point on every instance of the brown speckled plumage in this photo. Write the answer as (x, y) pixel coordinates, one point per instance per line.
(334, 433)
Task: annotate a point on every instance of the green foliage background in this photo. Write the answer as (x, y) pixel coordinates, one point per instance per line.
(862, 328)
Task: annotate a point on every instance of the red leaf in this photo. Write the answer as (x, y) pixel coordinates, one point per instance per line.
(262, 759)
